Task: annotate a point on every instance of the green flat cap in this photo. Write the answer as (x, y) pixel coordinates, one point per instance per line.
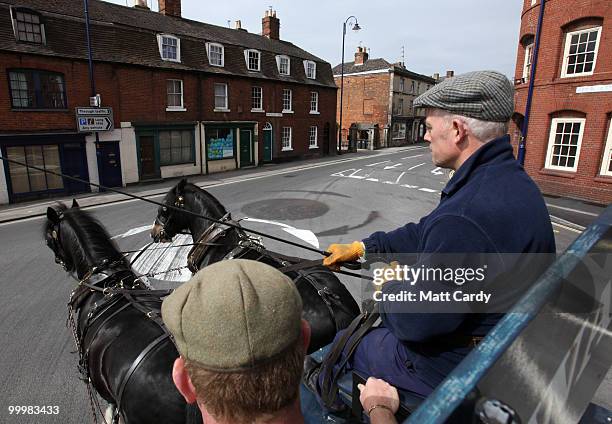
(234, 315)
(484, 95)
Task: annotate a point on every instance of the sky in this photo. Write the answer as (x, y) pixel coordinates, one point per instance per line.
(437, 35)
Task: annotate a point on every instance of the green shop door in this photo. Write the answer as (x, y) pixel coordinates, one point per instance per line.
(267, 140)
(246, 149)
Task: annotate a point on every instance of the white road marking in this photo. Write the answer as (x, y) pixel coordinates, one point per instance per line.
(341, 173)
(416, 166)
(397, 180)
(375, 180)
(305, 235)
(571, 210)
(133, 231)
(378, 163)
(437, 171)
(355, 176)
(427, 190)
(392, 166)
(409, 186)
(410, 157)
(567, 228)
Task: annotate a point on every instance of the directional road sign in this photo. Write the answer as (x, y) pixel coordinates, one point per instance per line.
(94, 119)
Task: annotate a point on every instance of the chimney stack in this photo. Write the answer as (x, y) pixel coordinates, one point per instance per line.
(361, 56)
(141, 4)
(170, 7)
(270, 25)
(436, 76)
(450, 74)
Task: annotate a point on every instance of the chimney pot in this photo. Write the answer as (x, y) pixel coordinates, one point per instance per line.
(361, 56)
(450, 74)
(238, 24)
(170, 7)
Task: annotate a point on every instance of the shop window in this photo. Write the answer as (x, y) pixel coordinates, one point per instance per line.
(33, 89)
(176, 147)
(399, 130)
(564, 143)
(220, 143)
(27, 26)
(24, 179)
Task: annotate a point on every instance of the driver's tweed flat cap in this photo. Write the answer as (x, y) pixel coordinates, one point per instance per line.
(484, 95)
(234, 315)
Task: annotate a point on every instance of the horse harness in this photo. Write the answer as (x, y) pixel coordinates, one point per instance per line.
(109, 280)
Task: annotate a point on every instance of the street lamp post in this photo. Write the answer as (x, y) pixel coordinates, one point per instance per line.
(356, 27)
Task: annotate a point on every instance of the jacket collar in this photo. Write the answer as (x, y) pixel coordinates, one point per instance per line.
(496, 150)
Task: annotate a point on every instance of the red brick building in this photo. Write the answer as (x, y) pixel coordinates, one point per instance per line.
(187, 97)
(377, 105)
(569, 138)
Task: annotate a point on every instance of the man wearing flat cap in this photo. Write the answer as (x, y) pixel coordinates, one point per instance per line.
(238, 328)
(489, 206)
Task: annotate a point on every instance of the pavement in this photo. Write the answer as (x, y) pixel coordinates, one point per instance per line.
(572, 213)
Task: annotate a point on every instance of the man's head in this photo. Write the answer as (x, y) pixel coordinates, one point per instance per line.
(463, 113)
(237, 325)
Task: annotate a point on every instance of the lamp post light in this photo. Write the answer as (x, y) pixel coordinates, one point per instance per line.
(355, 27)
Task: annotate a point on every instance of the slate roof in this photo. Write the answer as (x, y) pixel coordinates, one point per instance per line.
(128, 35)
(379, 65)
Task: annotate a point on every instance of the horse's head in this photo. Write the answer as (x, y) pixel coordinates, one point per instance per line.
(170, 221)
(53, 239)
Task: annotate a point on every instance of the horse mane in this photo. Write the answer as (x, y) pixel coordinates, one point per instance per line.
(209, 197)
(89, 241)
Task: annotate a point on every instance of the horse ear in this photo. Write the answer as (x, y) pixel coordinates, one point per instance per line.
(52, 215)
(180, 187)
(75, 204)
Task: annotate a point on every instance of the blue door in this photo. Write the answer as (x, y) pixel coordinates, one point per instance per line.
(74, 163)
(109, 164)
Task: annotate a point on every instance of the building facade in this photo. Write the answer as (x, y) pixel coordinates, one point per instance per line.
(187, 98)
(569, 137)
(377, 102)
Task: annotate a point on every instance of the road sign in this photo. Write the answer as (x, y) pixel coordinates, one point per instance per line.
(94, 119)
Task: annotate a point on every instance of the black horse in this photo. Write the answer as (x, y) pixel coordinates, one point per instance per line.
(123, 347)
(328, 305)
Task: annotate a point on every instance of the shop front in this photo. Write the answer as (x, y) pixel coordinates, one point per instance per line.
(230, 146)
(60, 153)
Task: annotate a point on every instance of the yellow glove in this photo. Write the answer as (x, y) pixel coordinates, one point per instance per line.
(343, 253)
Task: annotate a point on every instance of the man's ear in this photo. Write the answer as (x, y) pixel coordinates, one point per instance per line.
(306, 332)
(52, 215)
(182, 381)
(75, 204)
(460, 130)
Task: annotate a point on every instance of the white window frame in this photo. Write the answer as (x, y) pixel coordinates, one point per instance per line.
(568, 37)
(210, 62)
(246, 58)
(160, 40)
(314, 101)
(260, 108)
(285, 91)
(527, 65)
(307, 63)
(41, 25)
(314, 145)
(279, 60)
(397, 133)
(220, 109)
(551, 143)
(289, 145)
(180, 108)
(607, 155)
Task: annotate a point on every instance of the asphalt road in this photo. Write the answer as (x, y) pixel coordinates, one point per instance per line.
(338, 202)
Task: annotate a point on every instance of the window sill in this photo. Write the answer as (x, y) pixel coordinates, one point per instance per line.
(221, 110)
(253, 70)
(584, 74)
(287, 111)
(171, 60)
(313, 147)
(258, 111)
(315, 112)
(38, 110)
(286, 149)
(603, 179)
(176, 109)
(214, 64)
(558, 173)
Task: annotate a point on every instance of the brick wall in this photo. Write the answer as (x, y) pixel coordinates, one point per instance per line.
(366, 99)
(138, 94)
(556, 97)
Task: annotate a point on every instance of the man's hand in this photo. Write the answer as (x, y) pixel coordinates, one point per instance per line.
(378, 395)
(343, 253)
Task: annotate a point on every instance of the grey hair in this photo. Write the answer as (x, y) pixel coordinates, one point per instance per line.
(482, 130)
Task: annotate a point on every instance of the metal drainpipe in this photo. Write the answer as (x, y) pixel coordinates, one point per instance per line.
(200, 124)
(92, 80)
(522, 145)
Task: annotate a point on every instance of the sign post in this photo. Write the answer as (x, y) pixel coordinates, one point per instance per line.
(94, 119)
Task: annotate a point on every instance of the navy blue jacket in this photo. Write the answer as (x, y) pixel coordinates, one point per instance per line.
(489, 206)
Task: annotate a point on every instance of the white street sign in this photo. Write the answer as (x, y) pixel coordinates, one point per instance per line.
(94, 119)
